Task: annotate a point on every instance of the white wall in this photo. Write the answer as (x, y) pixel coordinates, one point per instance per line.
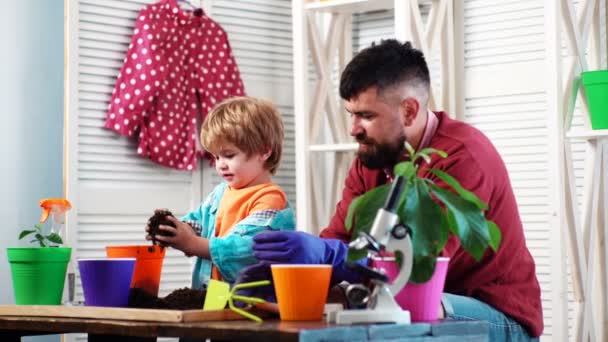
(31, 94)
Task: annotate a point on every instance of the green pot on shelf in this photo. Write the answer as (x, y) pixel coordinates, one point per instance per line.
(38, 274)
(596, 89)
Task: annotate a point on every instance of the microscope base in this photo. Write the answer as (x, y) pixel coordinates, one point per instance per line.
(397, 316)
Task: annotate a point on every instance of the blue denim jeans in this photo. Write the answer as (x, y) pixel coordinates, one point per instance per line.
(502, 327)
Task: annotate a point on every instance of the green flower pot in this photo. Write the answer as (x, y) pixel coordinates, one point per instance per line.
(596, 89)
(38, 274)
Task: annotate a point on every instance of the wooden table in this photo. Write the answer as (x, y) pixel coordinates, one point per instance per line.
(13, 328)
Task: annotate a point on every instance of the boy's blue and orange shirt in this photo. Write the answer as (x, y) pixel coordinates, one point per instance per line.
(237, 204)
(230, 218)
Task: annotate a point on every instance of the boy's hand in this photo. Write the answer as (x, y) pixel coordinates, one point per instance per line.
(149, 237)
(162, 212)
(182, 236)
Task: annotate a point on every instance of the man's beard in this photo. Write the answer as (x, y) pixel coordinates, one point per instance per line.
(380, 156)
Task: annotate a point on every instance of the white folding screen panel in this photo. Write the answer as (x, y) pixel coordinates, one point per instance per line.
(506, 99)
(568, 22)
(113, 190)
(260, 36)
(578, 150)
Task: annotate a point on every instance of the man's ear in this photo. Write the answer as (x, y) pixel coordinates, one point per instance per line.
(409, 110)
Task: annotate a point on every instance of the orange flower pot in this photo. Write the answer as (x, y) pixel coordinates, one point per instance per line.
(301, 290)
(148, 264)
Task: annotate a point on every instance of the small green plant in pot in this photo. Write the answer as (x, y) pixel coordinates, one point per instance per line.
(43, 240)
(461, 213)
(39, 272)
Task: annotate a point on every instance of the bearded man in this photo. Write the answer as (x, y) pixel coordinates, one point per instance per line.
(386, 90)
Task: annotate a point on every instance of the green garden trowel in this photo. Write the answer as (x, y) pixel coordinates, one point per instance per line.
(219, 293)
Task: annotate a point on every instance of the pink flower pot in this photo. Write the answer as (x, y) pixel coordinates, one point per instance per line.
(421, 300)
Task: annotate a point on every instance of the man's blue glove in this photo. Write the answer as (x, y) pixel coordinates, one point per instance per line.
(287, 247)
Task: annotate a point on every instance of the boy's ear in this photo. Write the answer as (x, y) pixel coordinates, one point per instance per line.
(266, 155)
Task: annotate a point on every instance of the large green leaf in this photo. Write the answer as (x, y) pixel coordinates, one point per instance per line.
(428, 225)
(470, 224)
(423, 216)
(495, 235)
(356, 254)
(348, 223)
(423, 269)
(405, 169)
(368, 207)
(365, 210)
(451, 181)
(444, 231)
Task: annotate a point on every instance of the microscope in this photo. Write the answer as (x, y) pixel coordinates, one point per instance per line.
(375, 303)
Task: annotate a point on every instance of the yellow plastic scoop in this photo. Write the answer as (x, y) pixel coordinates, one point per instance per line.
(219, 293)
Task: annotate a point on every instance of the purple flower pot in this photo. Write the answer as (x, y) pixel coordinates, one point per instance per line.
(106, 282)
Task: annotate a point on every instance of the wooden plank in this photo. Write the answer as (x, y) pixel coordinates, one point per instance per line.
(128, 314)
(220, 315)
(124, 314)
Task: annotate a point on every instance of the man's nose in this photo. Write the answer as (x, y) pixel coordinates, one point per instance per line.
(355, 127)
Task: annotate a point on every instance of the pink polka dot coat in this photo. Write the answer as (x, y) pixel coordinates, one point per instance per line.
(178, 62)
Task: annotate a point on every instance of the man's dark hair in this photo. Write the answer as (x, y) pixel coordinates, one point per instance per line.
(383, 65)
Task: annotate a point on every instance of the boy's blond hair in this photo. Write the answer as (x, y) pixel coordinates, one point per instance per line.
(253, 125)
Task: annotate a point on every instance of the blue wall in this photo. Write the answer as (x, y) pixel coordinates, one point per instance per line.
(31, 108)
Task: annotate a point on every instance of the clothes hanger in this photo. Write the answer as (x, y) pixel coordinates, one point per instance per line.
(189, 4)
(197, 11)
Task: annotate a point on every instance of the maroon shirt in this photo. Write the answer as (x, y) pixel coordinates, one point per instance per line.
(506, 279)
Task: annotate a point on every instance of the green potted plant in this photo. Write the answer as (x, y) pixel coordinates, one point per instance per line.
(39, 272)
(595, 83)
(461, 213)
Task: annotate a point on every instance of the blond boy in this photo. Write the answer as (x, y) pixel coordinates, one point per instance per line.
(245, 135)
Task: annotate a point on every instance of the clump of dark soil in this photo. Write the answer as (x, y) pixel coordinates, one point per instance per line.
(159, 217)
(180, 299)
(138, 298)
(185, 299)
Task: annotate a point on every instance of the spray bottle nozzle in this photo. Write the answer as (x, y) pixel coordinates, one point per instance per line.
(56, 207)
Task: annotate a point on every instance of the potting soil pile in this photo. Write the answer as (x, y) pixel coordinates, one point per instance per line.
(180, 299)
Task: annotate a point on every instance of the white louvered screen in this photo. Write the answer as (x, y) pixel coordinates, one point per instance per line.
(260, 36)
(113, 190)
(375, 26)
(506, 99)
(578, 157)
